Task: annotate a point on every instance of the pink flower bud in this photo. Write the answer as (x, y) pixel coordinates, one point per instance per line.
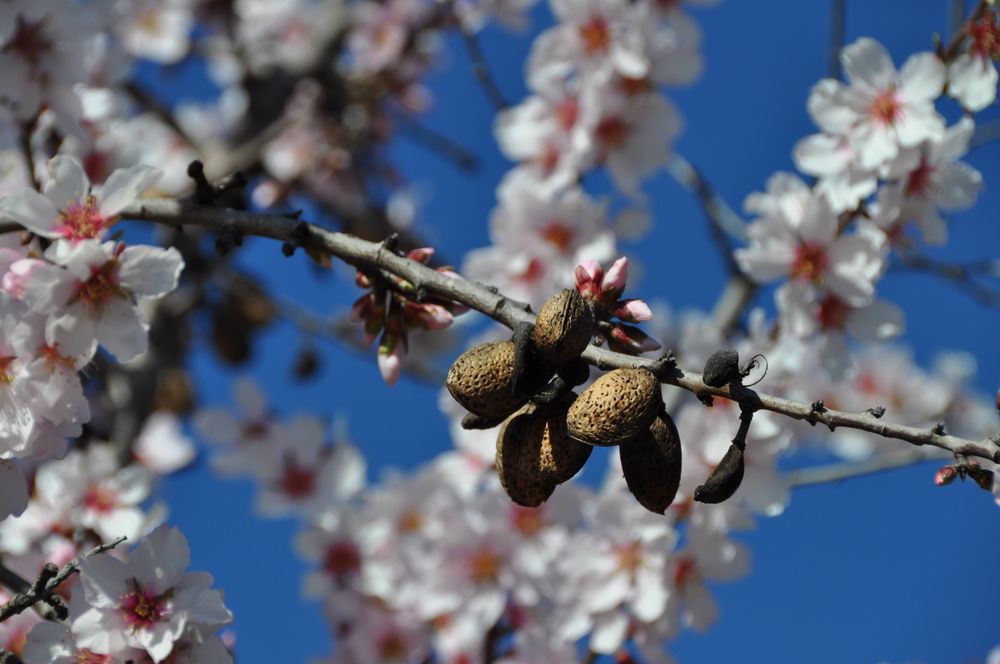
(421, 255)
(632, 340)
(945, 475)
(633, 311)
(390, 358)
(428, 316)
(588, 278)
(614, 280)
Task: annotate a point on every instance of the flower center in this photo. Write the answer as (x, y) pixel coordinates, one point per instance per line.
(99, 499)
(684, 570)
(410, 521)
(920, 179)
(567, 112)
(810, 262)
(885, 109)
(629, 557)
(832, 312)
(985, 35)
(611, 132)
(527, 520)
(80, 221)
(6, 375)
(89, 657)
(29, 41)
(595, 35)
(559, 235)
(392, 646)
(101, 288)
(484, 566)
(633, 86)
(298, 482)
(141, 608)
(342, 558)
(532, 271)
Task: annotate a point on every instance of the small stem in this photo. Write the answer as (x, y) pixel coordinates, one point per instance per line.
(838, 472)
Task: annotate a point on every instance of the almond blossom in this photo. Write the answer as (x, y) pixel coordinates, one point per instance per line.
(148, 601)
(972, 75)
(68, 210)
(881, 110)
(93, 296)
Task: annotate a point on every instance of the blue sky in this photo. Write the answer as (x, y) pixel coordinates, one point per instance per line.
(886, 568)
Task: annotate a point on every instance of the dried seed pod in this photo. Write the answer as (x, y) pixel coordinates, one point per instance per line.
(616, 408)
(652, 464)
(563, 328)
(560, 456)
(724, 480)
(722, 368)
(517, 456)
(480, 379)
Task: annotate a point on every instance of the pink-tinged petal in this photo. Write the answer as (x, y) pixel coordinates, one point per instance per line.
(973, 81)
(879, 321)
(589, 271)
(124, 186)
(250, 400)
(614, 280)
(634, 311)
(18, 274)
(628, 339)
(48, 290)
(826, 109)
(650, 599)
(33, 211)
(421, 255)
(150, 271)
(74, 332)
(163, 556)
(104, 579)
(922, 78)
(13, 489)
(822, 154)
(956, 186)
(866, 62)
(390, 359)
(429, 316)
(121, 331)
(609, 632)
(69, 182)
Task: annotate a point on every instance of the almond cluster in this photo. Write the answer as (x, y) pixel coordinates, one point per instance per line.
(547, 431)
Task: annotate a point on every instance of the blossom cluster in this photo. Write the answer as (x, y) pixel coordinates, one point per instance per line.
(595, 103)
(884, 160)
(64, 293)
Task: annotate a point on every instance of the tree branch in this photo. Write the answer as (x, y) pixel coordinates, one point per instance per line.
(837, 472)
(48, 580)
(376, 256)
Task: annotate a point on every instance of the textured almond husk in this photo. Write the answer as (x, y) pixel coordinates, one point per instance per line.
(616, 408)
(652, 464)
(481, 378)
(563, 328)
(517, 454)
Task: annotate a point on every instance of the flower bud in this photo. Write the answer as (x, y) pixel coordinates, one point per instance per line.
(945, 475)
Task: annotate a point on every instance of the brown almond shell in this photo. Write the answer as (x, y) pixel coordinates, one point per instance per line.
(481, 378)
(616, 408)
(652, 464)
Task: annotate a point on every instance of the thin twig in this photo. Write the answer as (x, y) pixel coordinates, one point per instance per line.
(986, 132)
(437, 143)
(480, 68)
(960, 275)
(27, 153)
(46, 584)
(371, 255)
(838, 472)
(838, 9)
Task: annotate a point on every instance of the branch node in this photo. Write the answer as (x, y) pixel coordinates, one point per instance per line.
(876, 411)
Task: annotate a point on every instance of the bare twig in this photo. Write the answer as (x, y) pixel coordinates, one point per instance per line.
(986, 132)
(44, 587)
(7, 657)
(838, 472)
(480, 69)
(436, 142)
(960, 275)
(838, 8)
(27, 153)
(372, 256)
